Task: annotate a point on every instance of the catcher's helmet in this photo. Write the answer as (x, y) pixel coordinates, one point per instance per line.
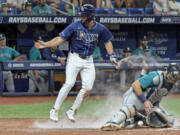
(173, 72)
(89, 11)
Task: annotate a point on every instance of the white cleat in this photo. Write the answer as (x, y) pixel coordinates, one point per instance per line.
(111, 126)
(54, 115)
(70, 115)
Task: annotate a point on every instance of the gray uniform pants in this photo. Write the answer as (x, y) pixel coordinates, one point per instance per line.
(130, 98)
(42, 85)
(8, 81)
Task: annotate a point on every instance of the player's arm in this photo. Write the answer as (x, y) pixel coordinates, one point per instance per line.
(139, 92)
(110, 50)
(54, 42)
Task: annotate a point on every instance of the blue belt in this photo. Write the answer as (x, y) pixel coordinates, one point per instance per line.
(82, 56)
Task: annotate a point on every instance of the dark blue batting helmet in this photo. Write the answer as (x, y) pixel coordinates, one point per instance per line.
(89, 11)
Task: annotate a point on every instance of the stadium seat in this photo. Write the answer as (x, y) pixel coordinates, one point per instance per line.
(149, 11)
(135, 11)
(119, 11)
(103, 11)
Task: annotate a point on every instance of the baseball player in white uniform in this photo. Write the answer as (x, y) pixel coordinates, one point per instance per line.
(85, 35)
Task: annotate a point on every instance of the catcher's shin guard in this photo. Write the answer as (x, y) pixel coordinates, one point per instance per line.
(125, 113)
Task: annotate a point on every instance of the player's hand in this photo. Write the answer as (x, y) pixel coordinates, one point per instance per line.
(38, 79)
(148, 106)
(40, 44)
(118, 66)
(62, 60)
(113, 60)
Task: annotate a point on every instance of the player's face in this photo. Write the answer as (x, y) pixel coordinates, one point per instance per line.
(83, 18)
(147, 53)
(144, 43)
(127, 54)
(42, 2)
(53, 48)
(3, 43)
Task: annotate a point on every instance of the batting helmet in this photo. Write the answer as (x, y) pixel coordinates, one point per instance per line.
(89, 11)
(173, 72)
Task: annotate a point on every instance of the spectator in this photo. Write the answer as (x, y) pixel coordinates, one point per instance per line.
(143, 44)
(174, 7)
(42, 9)
(38, 79)
(146, 60)
(161, 7)
(92, 2)
(124, 3)
(7, 54)
(97, 54)
(16, 3)
(5, 10)
(141, 3)
(28, 9)
(99, 72)
(128, 63)
(104, 4)
(54, 54)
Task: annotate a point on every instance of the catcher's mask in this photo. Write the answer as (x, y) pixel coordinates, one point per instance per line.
(89, 11)
(173, 73)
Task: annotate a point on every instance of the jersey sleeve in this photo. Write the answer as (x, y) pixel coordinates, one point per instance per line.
(147, 80)
(15, 53)
(67, 32)
(106, 35)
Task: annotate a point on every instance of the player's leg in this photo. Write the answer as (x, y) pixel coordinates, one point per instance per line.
(122, 80)
(88, 78)
(9, 82)
(130, 105)
(72, 69)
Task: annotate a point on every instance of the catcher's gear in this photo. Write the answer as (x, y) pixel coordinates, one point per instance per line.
(158, 119)
(112, 126)
(157, 95)
(173, 73)
(125, 113)
(89, 11)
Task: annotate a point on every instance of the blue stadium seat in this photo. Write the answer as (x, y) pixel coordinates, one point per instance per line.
(149, 11)
(119, 11)
(135, 11)
(103, 11)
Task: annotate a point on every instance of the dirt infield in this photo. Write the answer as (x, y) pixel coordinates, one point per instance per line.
(47, 127)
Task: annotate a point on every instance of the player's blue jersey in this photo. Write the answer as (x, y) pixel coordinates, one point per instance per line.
(154, 79)
(84, 41)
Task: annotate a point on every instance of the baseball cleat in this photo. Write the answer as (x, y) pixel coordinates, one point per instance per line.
(70, 115)
(112, 126)
(54, 115)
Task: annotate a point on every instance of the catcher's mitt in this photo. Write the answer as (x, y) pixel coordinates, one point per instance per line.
(158, 119)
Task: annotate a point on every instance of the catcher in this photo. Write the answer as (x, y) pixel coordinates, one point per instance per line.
(140, 105)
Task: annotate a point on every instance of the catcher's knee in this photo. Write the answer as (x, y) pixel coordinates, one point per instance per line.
(129, 111)
(125, 113)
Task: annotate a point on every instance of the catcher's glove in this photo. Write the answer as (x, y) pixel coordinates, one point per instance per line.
(158, 119)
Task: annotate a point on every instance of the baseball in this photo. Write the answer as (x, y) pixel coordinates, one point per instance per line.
(140, 123)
